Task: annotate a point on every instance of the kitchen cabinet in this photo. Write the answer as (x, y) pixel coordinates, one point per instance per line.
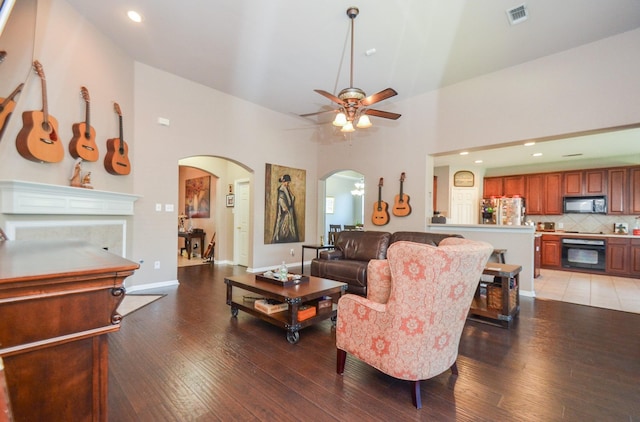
(534, 190)
(551, 254)
(585, 183)
(492, 186)
(513, 185)
(552, 204)
(635, 257)
(634, 191)
(618, 256)
(618, 201)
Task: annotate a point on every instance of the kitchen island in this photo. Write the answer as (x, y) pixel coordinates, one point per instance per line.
(517, 240)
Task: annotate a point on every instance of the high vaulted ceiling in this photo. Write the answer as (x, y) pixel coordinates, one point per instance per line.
(275, 53)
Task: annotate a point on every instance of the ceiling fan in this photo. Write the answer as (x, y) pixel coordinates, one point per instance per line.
(353, 102)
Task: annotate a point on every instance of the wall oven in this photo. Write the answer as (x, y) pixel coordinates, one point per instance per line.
(584, 253)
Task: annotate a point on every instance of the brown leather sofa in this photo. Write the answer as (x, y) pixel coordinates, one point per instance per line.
(348, 261)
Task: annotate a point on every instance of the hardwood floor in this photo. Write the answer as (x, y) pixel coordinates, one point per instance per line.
(183, 358)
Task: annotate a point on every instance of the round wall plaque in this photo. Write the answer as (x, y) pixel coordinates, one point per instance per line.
(463, 179)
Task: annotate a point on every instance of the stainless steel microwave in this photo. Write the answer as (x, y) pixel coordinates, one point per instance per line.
(585, 204)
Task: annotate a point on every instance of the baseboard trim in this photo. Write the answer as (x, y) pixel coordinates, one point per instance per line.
(148, 286)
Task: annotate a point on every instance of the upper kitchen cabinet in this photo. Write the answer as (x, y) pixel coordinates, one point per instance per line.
(513, 185)
(534, 190)
(634, 191)
(618, 188)
(585, 183)
(552, 194)
(492, 186)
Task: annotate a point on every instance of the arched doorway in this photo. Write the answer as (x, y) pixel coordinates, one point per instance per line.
(344, 199)
(226, 175)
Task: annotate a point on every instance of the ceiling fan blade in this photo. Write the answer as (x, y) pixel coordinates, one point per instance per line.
(318, 112)
(383, 114)
(329, 96)
(382, 95)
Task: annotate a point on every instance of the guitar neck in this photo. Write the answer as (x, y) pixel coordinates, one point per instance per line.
(87, 113)
(45, 108)
(10, 97)
(121, 148)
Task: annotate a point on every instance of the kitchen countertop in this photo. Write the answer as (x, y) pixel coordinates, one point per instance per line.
(570, 234)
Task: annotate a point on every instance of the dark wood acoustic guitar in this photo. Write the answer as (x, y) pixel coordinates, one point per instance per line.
(6, 107)
(401, 207)
(83, 143)
(38, 139)
(380, 214)
(117, 159)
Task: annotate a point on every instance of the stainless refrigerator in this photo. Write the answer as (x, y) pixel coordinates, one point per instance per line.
(502, 211)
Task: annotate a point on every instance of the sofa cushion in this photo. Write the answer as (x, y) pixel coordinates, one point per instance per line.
(363, 245)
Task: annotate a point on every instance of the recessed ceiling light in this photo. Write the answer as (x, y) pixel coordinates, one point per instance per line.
(464, 153)
(134, 16)
(478, 161)
(529, 144)
(537, 154)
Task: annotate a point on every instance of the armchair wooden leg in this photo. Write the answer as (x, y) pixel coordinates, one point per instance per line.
(454, 368)
(415, 395)
(341, 358)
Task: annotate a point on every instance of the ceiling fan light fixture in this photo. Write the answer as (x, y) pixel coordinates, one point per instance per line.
(364, 122)
(348, 128)
(340, 120)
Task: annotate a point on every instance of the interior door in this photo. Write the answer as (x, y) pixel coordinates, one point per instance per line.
(464, 206)
(241, 223)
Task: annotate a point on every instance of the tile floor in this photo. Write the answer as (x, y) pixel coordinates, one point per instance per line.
(600, 290)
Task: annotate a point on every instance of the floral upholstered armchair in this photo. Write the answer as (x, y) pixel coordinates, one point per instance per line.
(409, 325)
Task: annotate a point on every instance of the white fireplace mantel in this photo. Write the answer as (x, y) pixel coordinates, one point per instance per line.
(20, 197)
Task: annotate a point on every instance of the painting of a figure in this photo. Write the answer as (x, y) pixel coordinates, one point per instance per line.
(285, 197)
(197, 192)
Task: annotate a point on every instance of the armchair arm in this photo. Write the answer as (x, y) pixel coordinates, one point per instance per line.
(378, 280)
(358, 317)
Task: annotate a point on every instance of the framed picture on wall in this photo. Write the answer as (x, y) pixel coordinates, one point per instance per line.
(285, 197)
(330, 203)
(196, 200)
(231, 200)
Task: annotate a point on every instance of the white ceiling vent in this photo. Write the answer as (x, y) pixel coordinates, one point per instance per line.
(518, 14)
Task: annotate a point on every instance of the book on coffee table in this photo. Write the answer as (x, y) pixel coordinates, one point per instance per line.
(269, 306)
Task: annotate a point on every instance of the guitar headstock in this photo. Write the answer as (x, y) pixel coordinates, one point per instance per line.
(116, 107)
(39, 69)
(85, 94)
(381, 182)
(402, 177)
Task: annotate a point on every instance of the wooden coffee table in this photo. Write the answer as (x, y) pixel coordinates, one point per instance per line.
(241, 289)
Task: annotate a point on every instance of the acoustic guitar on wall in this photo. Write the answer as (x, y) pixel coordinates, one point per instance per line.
(401, 207)
(38, 139)
(380, 214)
(117, 159)
(83, 143)
(6, 107)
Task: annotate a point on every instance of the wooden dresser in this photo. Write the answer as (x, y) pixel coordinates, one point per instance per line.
(58, 302)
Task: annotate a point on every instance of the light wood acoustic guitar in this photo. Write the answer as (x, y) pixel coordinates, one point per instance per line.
(6, 108)
(401, 207)
(83, 143)
(117, 159)
(380, 214)
(38, 139)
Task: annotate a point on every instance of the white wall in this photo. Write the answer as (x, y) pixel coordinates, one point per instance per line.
(590, 87)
